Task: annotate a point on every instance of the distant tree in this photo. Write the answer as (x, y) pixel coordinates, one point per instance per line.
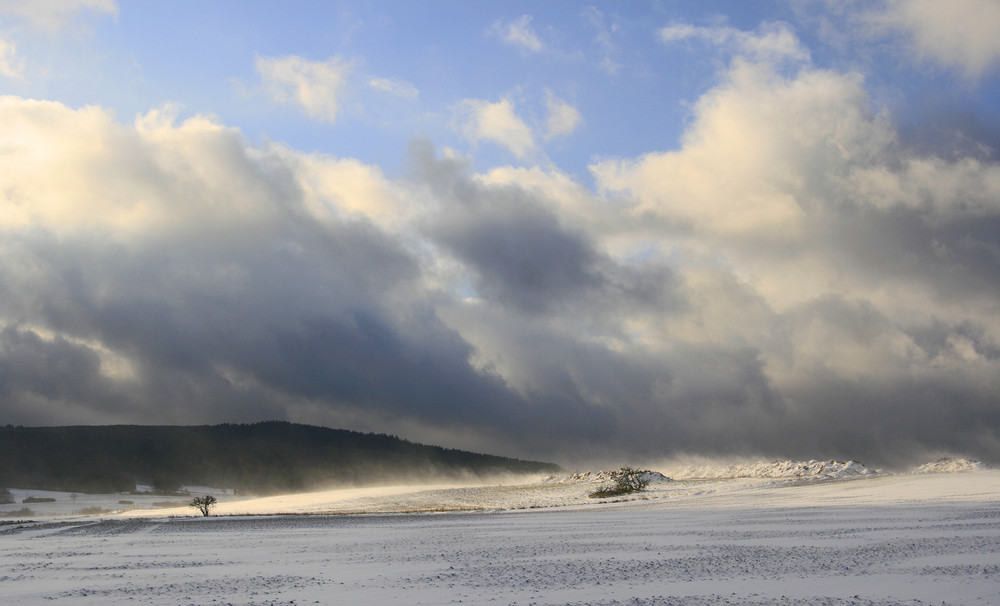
(204, 504)
(6, 497)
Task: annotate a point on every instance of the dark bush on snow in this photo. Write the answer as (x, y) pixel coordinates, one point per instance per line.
(626, 480)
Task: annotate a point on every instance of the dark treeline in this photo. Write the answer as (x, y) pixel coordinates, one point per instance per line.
(258, 458)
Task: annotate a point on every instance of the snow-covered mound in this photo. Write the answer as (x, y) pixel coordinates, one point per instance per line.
(826, 470)
(949, 464)
(602, 477)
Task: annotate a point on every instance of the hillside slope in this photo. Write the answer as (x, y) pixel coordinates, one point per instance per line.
(259, 458)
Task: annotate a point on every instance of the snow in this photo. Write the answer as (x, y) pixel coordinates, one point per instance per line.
(951, 465)
(872, 538)
(826, 470)
(602, 477)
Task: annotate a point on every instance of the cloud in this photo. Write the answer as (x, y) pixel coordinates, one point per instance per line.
(498, 122)
(399, 88)
(604, 38)
(772, 42)
(744, 183)
(518, 33)
(11, 65)
(481, 120)
(793, 279)
(56, 14)
(809, 232)
(31, 388)
(519, 253)
(563, 118)
(317, 87)
(715, 185)
(334, 189)
(166, 272)
(963, 35)
(234, 282)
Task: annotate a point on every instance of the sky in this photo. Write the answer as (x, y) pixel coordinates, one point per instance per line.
(561, 230)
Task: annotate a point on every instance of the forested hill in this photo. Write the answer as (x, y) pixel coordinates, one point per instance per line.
(258, 458)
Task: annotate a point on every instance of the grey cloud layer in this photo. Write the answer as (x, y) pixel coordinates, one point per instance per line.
(811, 291)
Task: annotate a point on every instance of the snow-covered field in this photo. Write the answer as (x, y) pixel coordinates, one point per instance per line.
(812, 533)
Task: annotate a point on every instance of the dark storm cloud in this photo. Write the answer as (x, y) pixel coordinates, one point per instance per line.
(521, 256)
(306, 321)
(520, 252)
(956, 257)
(944, 131)
(32, 368)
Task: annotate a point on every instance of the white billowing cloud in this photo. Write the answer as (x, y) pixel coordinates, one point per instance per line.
(755, 143)
(563, 118)
(11, 65)
(806, 229)
(481, 120)
(335, 188)
(61, 163)
(498, 122)
(399, 88)
(316, 86)
(772, 42)
(960, 34)
(80, 170)
(55, 14)
(519, 33)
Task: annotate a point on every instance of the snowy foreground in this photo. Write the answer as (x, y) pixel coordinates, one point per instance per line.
(927, 538)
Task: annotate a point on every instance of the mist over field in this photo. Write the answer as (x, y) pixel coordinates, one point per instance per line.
(587, 234)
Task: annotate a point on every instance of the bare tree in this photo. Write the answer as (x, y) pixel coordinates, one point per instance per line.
(204, 504)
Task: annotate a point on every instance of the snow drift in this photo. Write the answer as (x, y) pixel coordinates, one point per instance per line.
(602, 477)
(951, 465)
(820, 470)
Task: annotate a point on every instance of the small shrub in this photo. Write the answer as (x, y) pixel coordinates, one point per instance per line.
(38, 500)
(126, 502)
(626, 480)
(24, 511)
